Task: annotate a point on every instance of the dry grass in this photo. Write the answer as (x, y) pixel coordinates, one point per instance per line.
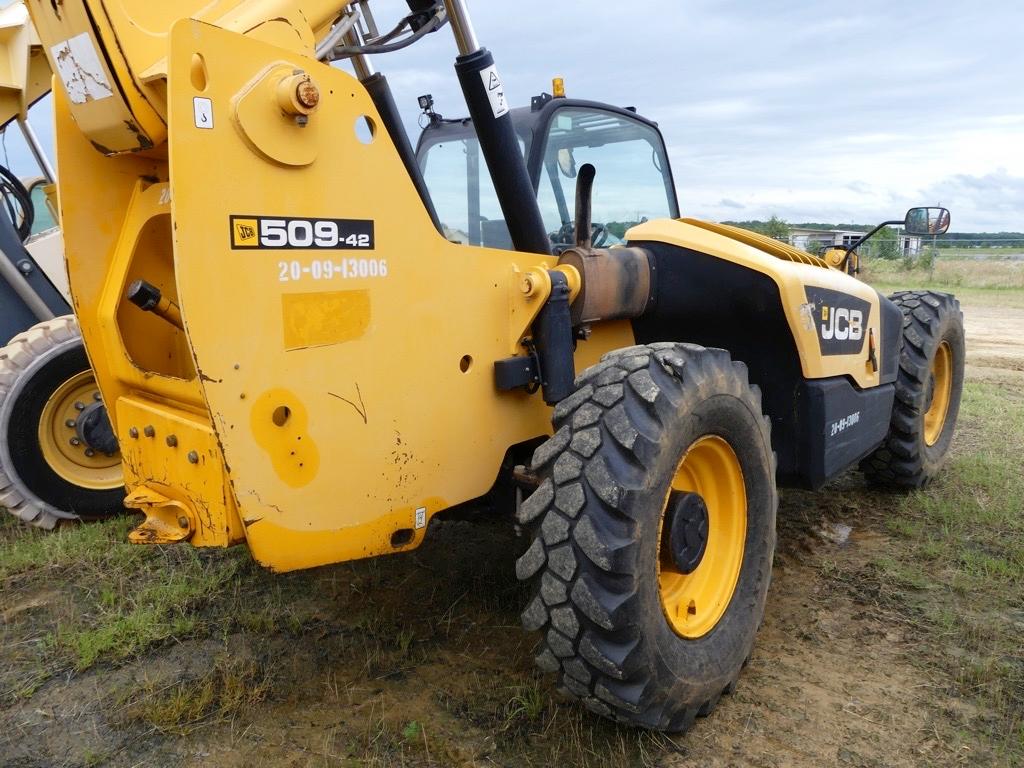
(949, 274)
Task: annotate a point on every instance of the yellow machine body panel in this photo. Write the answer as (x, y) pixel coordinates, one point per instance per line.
(793, 279)
(300, 405)
(24, 71)
(111, 55)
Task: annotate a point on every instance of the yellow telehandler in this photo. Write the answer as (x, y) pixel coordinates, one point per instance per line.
(308, 347)
(58, 455)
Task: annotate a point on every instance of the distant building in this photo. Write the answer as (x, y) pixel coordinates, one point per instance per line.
(816, 240)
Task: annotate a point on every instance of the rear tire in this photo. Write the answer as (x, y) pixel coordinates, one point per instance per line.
(43, 479)
(601, 558)
(928, 390)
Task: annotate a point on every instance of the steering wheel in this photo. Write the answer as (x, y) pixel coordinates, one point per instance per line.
(599, 235)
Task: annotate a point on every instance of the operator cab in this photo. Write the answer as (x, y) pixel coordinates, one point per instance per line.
(557, 136)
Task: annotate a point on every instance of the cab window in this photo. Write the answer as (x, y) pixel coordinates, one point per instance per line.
(632, 185)
(463, 194)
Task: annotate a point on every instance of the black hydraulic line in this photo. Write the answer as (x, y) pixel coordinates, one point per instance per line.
(500, 148)
(379, 90)
(553, 338)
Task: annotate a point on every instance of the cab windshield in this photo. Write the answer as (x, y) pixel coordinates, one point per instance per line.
(633, 183)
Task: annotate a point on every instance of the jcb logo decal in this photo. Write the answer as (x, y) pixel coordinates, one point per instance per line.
(841, 320)
(842, 324)
(243, 234)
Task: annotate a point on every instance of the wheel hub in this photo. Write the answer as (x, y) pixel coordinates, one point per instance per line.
(938, 394)
(93, 428)
(687, 521)
(71, 436)
(702, 537)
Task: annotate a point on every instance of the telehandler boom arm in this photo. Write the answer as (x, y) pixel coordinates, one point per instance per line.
(213, 132)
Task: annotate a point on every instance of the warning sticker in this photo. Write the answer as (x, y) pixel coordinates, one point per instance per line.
(495, 90)
(203, 110)
(78, 65)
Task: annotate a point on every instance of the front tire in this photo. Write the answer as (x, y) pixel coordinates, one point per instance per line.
(928, 390)
(48, 473)
(649, 610)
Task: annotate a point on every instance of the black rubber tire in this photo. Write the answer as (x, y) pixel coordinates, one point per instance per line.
(595, 523)
(904, 460)
(32, 367)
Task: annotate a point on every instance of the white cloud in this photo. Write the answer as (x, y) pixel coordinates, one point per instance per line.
(821, 111)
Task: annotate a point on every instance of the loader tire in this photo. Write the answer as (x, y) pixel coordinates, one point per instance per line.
(642, 621)
(44, 478)
(928, 389)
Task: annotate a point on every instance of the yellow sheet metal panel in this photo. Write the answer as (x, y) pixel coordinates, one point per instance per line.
(347, 357)
(791, 277)
(24, 70)
(184, 490)
(110, 55)
(88, 75)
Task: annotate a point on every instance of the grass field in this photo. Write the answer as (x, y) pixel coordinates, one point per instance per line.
(897, 644)
(951, 274)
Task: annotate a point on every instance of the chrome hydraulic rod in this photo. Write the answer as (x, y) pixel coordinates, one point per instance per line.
(37, 150)
(462, 27)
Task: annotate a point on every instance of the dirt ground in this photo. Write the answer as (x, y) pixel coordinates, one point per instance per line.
(995, 342)
(835, 678)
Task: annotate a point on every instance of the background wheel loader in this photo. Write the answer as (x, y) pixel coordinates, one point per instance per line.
(319, 375)
(58, 455)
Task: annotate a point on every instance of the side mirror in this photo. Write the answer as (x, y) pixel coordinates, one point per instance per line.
(927, 221)
(567, 163)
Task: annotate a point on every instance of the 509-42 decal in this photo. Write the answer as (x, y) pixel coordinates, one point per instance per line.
(289, 233)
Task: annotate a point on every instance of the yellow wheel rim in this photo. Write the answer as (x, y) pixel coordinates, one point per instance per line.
(942, 387)
(63, 451)
(694, 602)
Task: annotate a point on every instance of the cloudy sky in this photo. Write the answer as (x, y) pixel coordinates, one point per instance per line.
(813, 111)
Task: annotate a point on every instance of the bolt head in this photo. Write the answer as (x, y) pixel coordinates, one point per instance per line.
(70, 423)
(79, 406)
(193, 457)
(183, 521)
(97, 397)
(172, 441)
(301, 120)
(90, 452)
(133, 433)
(149, 431)
(75, 441)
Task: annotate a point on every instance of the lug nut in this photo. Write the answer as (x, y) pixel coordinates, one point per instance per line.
(79, 406)
(90, 452)
(172, 441)
(70, 423)
(97, 396)
(149, 431)
(133, 433)
(75, 441)
(193, 457)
